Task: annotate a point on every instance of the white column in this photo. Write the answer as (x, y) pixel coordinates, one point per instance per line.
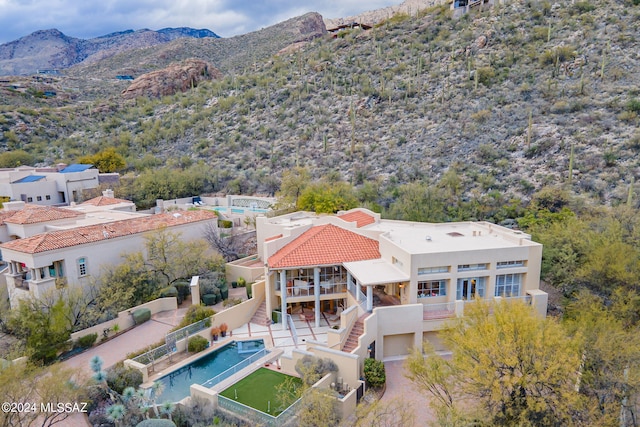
(316, 293)
(283, 298)
(369, 298)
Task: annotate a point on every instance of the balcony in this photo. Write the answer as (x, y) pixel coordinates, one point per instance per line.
(439, 311)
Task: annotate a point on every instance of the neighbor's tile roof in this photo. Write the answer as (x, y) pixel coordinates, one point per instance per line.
(53, 240)
(33, 214)
(325, 245)
(104, 201)
(360, 218)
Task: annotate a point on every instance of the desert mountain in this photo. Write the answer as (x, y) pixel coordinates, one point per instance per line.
(51, 49)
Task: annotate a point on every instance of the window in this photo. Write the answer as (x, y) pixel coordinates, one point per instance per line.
(509, 264)
(433, 270)
(471, 267)
(48, 197)
(432, 288)
(82, 267)
(29, 199)
(470, 288)
(508, 285)
(39, 198)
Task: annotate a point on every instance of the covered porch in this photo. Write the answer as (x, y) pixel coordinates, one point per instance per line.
(311, 293)
(376, 283)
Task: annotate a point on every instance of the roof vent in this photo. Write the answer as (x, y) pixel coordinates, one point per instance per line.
(428, 238)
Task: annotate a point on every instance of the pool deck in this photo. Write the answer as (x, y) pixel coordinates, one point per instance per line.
(283, 339)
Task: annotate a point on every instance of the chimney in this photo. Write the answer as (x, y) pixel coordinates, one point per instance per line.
(108, 193)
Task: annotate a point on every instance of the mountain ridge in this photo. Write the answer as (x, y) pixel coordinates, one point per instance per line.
(52, 49)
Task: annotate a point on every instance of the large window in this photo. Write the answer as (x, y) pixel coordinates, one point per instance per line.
(471, 267)
(82, 266)
(509, 264)
(508, 285)
(433, 270)
(432, 288)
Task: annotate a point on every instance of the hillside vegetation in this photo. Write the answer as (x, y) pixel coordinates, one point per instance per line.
(491, 104)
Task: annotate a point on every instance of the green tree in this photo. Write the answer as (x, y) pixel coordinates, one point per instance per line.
(28, 383)
(325, 197)
(45, 330)
(293, 183)
(509, 366)
(610, 374)
(106, 161)
(15, 158)
(418, 202)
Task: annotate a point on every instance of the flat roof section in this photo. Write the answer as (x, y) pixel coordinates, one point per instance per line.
(419, 238)
(375, 272)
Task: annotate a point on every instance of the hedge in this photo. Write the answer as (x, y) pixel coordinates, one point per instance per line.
(197, 343)
(141, 315)
(86, 341)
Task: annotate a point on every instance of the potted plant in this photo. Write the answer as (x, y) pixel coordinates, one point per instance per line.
(215, 332)
(223, 329)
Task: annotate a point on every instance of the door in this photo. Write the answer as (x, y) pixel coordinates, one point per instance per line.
(470, 287)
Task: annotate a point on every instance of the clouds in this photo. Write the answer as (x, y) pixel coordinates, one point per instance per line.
(87, 19)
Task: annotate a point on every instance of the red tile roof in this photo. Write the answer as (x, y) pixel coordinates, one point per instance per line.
(360, 218)
(325, 245)
(105, 201)
(94, 233)
(33, 214)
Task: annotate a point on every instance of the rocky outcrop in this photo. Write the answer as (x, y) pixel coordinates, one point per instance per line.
(373, 17)
(178, 77)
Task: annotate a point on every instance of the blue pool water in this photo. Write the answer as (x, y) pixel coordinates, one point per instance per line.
(239, 210)
(177, 383)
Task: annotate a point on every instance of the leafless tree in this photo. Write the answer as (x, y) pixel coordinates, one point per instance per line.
(229, 246)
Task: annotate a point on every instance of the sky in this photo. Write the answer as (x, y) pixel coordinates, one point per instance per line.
(91, 18)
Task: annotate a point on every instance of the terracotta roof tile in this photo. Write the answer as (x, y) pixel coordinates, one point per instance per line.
(94, 233)
(104, 201)
(33, 214)
(325, 245)
(360, 218)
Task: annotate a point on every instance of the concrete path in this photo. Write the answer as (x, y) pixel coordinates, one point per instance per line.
(135, 339)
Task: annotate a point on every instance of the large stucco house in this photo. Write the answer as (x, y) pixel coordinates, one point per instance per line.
(44, 246)
(398, 281)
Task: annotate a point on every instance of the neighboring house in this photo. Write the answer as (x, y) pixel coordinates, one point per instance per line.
(60, 185)
(67, 246)
(412, 276)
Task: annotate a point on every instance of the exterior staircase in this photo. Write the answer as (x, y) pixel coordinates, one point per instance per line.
(260, 316)
(356, 331)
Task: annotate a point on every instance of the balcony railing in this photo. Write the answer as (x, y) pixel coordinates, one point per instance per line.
(439, 311)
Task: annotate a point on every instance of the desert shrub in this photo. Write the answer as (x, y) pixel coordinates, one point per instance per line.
(231, 302)
(170, 291)
(199, 412)
(209, 299)
(311, 369)
(485, 75)
(184, 289)
(194, 314)
(633, 105)
(197, 344)
(156, 422)
(120, 377)
(374, 372)
(86, 341)
(141, 315)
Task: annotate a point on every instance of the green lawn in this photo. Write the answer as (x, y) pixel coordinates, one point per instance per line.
(261, 387)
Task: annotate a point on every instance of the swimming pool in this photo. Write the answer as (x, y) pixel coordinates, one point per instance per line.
(239, 210)
(210, 369)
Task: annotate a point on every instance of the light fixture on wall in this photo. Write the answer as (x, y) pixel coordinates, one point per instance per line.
(401, 285)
